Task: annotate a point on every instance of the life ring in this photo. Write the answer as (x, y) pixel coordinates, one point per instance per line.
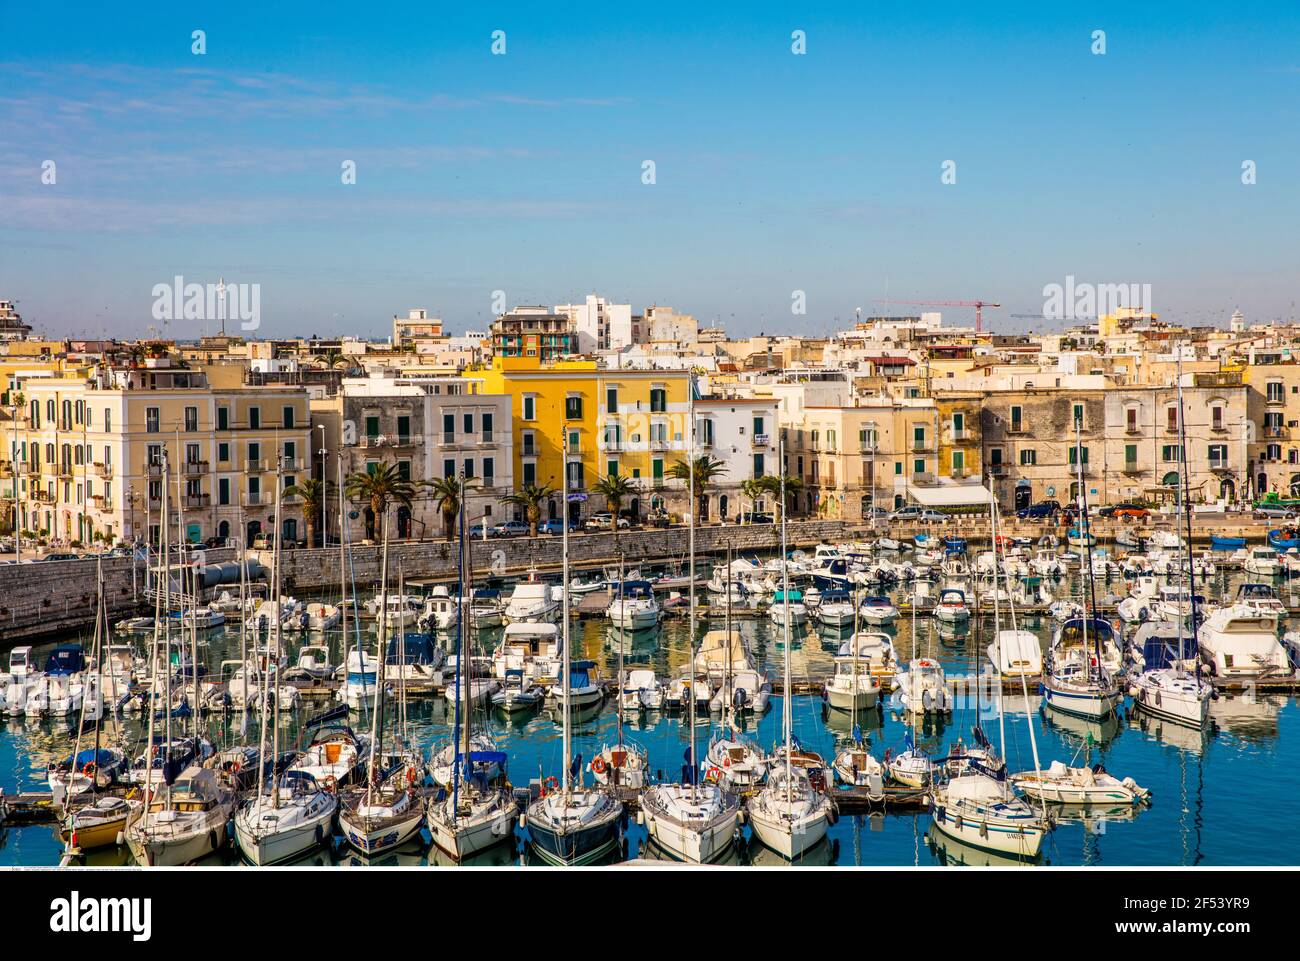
(331, 783)
(726, 761)
(88, 769)
(410, 776)
(712, 775)
(552, 783)
(598, 764)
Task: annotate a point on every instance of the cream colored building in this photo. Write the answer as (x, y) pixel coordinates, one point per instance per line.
(90, 452)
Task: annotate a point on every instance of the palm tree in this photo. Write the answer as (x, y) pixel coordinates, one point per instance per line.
(614, 488)
(530, 498)
(753, 488)
(378, 487)
(314, 494)
(772, 485)
(447, 493)
(705, 469)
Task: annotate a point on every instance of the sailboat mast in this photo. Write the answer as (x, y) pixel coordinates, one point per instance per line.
(690, 500)
(1186, 486)
(376, 728)
(343, 569)
(567, 745)
(727, 693)
(273, 655)
(1085, 550)
(464, 702)
(621, 639)
(787, 715)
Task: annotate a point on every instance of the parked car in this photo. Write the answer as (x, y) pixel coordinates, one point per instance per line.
(1039, 511)
(604, 521)
(1134, 511)
(476, 530)
(555, 526)
(762, 517)
(660, 518)
(511, 529)
(1281, 511)
(914, 512)
(214, 542)
(59, 557)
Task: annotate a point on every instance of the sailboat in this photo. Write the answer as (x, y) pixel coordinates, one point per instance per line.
(384, 812)
(293, 813)
(691, 821)
(184, 817)
(1078, 681)
(571, 824)
(623, 763)
(788, 815)
(735, 762)
(479, 809)
(979, 806)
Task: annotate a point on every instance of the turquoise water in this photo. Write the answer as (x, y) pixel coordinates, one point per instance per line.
(1200, 781)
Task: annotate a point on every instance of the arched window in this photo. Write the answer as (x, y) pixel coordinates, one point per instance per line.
(1170, 479)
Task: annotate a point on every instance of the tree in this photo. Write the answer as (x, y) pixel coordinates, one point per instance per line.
(614, 488)
(753, 488)
(379, 487)
(530, 498)
(314, 494)
(772, 485)
(447, 493)
(705, 469)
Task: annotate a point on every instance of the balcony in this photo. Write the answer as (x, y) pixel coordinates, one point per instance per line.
(65, 470)
(1279, 432)
(103, 471)
(611, 446)
(922, 447)
(1131, 467)
(43, 497)
(194, 468)
(257, 500)
(998, 470)
(296, 463)
(392, 440)
(659, 445)
(1220, 464)
(256, 466)
(195, 501)
(1133, 430)
(960, 435)
(100, 503)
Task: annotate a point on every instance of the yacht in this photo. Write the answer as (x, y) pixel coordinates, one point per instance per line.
(787, 604)
(878, 611)
(531, 602)
(634, 607)
(923, 688)
(1016, 654)
(183, 822)
(1238, 643)
(531, 647)
(852, 687)
(952, 606)
(1263, 562)
(876, 650)
(835, 609)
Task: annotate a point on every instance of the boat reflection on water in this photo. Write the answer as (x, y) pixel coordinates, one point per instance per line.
(497, 856)
(1077, 730)
(649, 851)
(822, 854)
(957, 854)
(1182, 736)
(413, 853)
(1250, 716)
(635, 643)
(842, 722)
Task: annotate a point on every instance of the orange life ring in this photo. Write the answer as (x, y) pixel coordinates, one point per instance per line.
(410, 775)
(331, 784)
(598, 764)
(550, 784)
(726, 761)
(88, 769)
(712, 775)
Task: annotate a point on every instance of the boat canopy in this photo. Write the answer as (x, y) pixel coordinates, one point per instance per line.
(632, 588)
(952, 593)
(835, 597)
(1098, 629)
(486, 594)
(66, 659)
(877, 600)
(418, 649)
(1256, 592)
(794, 597)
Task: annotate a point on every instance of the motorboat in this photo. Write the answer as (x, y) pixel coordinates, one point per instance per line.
(634, 607)
(92, 770)
(952, 606)
(578, 688)
(922, 688)
(878, 611)
(485, 608)
(517, 694)
(787, 605)
(531, 602)
(642, 691)
(835, 609)
(441, 611)
(413, 656)
(1062, 784)
(323, 617)
(743, 690)
(1263, 562)
(852, 687)
(876, 651)
(534, 647)
(1015, 654)
(1238, 643)
(361, 676)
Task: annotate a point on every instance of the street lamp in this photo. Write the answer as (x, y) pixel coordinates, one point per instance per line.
(871, 438)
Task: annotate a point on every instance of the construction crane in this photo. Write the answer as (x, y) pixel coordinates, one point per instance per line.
(979, 305)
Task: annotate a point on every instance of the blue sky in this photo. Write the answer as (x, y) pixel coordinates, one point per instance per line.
(522, 172)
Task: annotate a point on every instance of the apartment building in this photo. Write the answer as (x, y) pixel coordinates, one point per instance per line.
(741, 433)
(90, 454)
(534, 332)
(1271, 427)
(574, 422)
(429, 428)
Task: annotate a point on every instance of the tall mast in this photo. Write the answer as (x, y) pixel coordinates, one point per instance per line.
(273, 655)
(690, 572)
(1085, 551)
(787, 715)
(463, 659)
(375, 728)
(1187, 506)
(564, 613)
(622, 605)
(728, 694)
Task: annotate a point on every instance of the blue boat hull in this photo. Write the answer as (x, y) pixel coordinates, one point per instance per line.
(575, 848)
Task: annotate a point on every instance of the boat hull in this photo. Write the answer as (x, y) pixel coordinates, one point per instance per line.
(787, 842)
(263, 848)
(701, 844)
(574, 848)
(1080, 704)
(372, 837)
(989, 834)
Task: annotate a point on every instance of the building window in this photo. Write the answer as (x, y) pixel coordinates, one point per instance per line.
(191, 419)
(1028, 457)
(1131, 420)
(1016, 413)
(1216, 417)
(573, 408)
(918, 438)
(1074, 455)
(372, 428)
(918, 466)
(658, 400)
(403, 429)
(486, 423)
(611, 468)
(223, 490)
(255, 418)
(223, 418)
(759, 466)
(468, 420)
(1171, 418)
(288, 417)
(1275, 392)
(995, 456)
(530, 407)
(1130, 454)
(958, 463)
(530, 474)
(448, 428)
(611, 400)
(1171, 453)
(489, 472)
(448, 467)
(1218, 455)
(151, 420)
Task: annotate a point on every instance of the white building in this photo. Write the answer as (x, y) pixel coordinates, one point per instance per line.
(740, 432)
(599, 325)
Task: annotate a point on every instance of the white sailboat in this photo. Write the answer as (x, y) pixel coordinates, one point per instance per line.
(788, 814)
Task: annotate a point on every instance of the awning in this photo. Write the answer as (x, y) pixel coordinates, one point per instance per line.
(950, 495)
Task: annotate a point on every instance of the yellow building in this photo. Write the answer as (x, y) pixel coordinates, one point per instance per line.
(86, 454)
(626, 422)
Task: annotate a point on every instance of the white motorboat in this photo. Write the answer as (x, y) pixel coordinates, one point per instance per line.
(835, 609)
(534, 647)
(361, 676)
(642, 691)
(1263, 562)
(582, 690)
(878, 611)
(922, 688)
(323, 617)
(516, 694)
(634, 607)
(1015, 654)
(1173, 694)
(787, 604)
(743, 690)
(876, 650)
(531, 602)
(952, 606)
(852, 687)
(1238, 643)
(441, 611)
(1062, 784)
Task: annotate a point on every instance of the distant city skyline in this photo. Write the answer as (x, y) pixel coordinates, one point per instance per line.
(775, 172)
